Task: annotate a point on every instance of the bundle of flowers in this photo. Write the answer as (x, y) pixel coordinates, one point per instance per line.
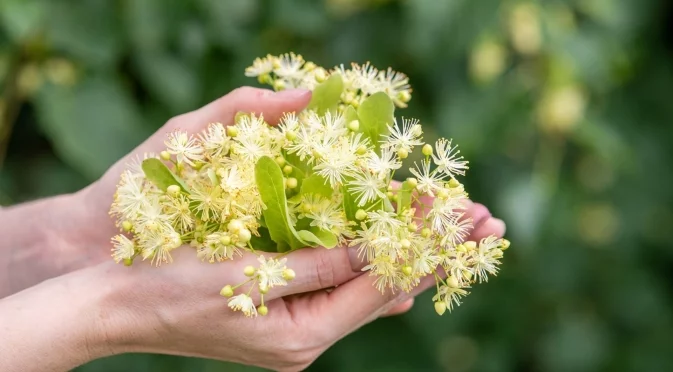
(322, 177)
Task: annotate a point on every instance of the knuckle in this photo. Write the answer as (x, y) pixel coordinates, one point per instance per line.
(249, 92)
(324, 271)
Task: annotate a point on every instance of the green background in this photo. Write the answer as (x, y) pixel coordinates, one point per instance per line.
(564, 109)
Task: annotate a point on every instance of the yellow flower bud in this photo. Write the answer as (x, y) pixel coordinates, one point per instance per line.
(354, 125)
(440, 307)
(405, 243)
(263, 289)
(412, 226)
(244, 235)
(470, 245)
(290, 135)
(235, 226)
(360, 214)
(389, 194)
(320, 75)
(232, 131)
(404, 96)
(426, 232)
(128, 261)
(461, 248)
(427, 149)
(288, 274)
(403, 153)
(407, 270)
(443, 194)
(127, 225)
(309, 66)
(225, 240)
(263, 310)
(497, 253)
(467, 274)
(453, 183)
(287, 169)
(412, 181)
(173, 190)
(291, 183)
(227, 291)
(249, 271)
(451, 281)
(280, 161)
(505, 244)
(165, 155)
(279, 85)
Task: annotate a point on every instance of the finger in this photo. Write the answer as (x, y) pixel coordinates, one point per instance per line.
(272, 105)
(400, 309)
(358, 302)
(492, 226)
(319, 268)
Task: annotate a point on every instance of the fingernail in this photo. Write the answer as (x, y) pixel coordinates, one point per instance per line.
(500, 225)
(292, 94)
(480, 214)
(357, 263)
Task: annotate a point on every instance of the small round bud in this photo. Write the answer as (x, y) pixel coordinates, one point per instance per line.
(407, 270)
(198, 165)
(280, 161)
(360, 214)
(290, 135)
(165, 155)
(309, 66)
(288, 274)
(320, 74)
(404, 96)
(497, 253)
(263, 289)
(427, 149)
(403, 153)
(244, 235)
(390, 188)
(426, 232)
(453, 183)
(316, 154)
(440, 307)
(291, 183)
(127, 225)
(287, 169)
(412, 181)
(451, 281)
(470, 245)
(461, 248)
(443, 194)
(128, 261)
(225, 240)
(279, 85)
(249, 271)
(226, 291)
(306, 208)
(235, 225)
(232, 131)
(467, 274)
(504, 245)
(263, 310)
(395, 198)
(173, 190)
(405, 243)
(354, 125)
(412, 226)
(389, 194)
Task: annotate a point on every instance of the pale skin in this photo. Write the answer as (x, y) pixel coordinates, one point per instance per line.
(66, 302)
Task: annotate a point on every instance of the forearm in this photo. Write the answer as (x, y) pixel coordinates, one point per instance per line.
(54, 326)
(39, 241)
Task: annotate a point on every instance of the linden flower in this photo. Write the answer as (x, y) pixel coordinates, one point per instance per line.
(243, 303)
(123, 249)
(184, 147)
(328, 170)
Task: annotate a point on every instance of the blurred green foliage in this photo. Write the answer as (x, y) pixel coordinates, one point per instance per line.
(564, 109)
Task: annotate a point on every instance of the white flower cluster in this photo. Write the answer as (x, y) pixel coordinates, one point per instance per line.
(321, 177)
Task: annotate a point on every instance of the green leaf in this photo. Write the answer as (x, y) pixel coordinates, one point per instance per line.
(375, 114)
(350, 114)
(318, 237)
(269, 179)
(327, 94)
(349, 203)
(404, 196)
(157, 172)
(263, 242)
(315, 184)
